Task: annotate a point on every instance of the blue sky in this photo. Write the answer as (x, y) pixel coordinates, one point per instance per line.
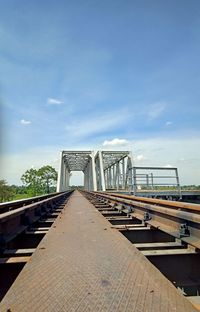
(80, 74)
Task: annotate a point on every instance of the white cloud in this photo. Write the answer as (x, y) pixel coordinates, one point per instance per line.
(140, 157)
(52, 101)
(115, 142)
(168, 166)
(25, 122)
(156, 110)
(168, 123)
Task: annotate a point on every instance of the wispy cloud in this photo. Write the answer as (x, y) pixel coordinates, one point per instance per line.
(168, 123)
(97, 124)
(156, 110)
(115, 142)
(52, 101)
(25, 122)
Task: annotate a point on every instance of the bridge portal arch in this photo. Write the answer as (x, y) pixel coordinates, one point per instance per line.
(102, 169)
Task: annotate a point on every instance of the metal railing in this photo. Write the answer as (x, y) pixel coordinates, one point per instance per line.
(154, 179)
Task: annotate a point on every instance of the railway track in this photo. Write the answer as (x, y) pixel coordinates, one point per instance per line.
(167, 233)
(86, 263)
(23, 224)
(12, 205)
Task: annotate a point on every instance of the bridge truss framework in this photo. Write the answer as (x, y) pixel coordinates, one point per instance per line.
(103, 170)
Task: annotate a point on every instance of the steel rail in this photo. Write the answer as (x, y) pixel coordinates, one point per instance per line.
(143, 225)
(11, 205)
(155, 201)
(178, 223)
(14, 222)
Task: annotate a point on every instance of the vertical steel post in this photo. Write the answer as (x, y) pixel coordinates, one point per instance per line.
(60, 174)
(103, 188)
(151, 175)
(178, 183)
(123, 173)
(67, 178)
(110, 177)
(147, 181)
(134, 181)
(114, 176)
(117, 175)
(94, 177)
(64, 177)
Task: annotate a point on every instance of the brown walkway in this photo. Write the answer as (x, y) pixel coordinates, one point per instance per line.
(84, 265)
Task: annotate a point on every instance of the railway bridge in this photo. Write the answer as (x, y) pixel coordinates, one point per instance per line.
(102, 169)
(95, 250)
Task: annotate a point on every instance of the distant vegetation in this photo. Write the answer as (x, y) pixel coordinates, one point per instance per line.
(35, 182)
(190, 187)
(43, 181)
(75, 187)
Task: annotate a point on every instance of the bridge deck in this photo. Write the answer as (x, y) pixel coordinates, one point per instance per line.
(83, 264)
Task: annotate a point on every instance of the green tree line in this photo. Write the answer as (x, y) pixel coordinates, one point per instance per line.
(35, 182)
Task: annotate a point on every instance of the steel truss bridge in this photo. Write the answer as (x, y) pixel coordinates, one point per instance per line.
(102, 169)
(114, 170)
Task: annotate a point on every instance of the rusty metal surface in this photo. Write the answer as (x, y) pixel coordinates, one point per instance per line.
(83, 264)
(167, 219)
(166, 203)
(16, 221)
(11, 205)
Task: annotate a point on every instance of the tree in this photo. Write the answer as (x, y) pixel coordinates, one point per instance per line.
(32, 181)
(48, 177)
(40, 181)
(6, 192)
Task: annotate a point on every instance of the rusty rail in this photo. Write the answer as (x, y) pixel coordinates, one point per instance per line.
(168, 235)
(181, 220)
(11, 205)
(154, 201)
(14, 222)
